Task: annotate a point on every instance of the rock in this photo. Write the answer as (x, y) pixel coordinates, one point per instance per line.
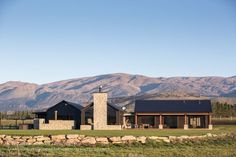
(58, 137)
(2, 136)
(11, 142)
(141, 139)
(153, 137)
(72, 141)
(16, 137)
(8, 138)
(184, 137)
(115, 139)
(88, 140)
(166, 140)
(26, 137)
(20, 140)
(200, 137)
(162, 138)
(32, 140)
(72, 136)
(38, 143)
(40, 139)
(47, 142)
(209, 135)
(128, 138)
(102, 140)
(172, 137)
(80, 137)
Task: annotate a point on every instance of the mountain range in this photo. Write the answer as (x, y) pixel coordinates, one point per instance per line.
(16, 95)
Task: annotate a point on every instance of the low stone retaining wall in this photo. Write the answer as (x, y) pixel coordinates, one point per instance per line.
(54, 124)
(75, 139)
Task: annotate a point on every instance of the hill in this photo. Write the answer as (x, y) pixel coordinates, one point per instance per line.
(20, 95)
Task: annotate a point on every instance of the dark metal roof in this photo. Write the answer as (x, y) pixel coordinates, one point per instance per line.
(40, 111)
(78, 106)
(118, 108)
(172, 106)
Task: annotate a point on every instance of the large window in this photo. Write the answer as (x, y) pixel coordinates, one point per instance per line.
(146, 121)
(170, 121)
(196, 122)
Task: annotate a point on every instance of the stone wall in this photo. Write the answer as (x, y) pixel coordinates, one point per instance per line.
(54, 124)
(108, 127)
(75, 139)
(86, 127)
(113, 127)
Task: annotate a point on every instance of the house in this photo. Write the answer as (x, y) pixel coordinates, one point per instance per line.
(100, 114)
(63, 115)
(173, 114)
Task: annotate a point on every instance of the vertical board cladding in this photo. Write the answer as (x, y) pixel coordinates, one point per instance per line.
(100, 111)
(64, 111)
(180, 122)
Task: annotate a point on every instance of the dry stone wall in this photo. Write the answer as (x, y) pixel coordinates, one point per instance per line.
(74, 139)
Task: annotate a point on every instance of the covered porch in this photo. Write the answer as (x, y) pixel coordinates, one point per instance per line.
(172, 120)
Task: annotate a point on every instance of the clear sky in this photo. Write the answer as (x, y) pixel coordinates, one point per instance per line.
(51, 40)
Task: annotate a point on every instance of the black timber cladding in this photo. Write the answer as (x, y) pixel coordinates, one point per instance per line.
(65, 111)
(172, 106)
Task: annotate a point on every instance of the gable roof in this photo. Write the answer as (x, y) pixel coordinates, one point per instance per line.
(77, 106)
(108, 103)
(172, 106)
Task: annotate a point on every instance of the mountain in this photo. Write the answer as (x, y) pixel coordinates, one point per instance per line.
(22, 96)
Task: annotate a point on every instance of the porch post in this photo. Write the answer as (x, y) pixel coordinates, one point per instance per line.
(117, 117)
(124, 122)
(136, 120)
(160, 125)
(55, 115)
(82, 117)
(210, 127)
(155, 121)
(185, 122)
(206, 121)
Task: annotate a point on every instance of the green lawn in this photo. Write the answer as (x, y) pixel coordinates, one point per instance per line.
(145, 132)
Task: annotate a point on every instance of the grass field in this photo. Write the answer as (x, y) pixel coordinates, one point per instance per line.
(210, 148)
(145, 132)
(215, 121)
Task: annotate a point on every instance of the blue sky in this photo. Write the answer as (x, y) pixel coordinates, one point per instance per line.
(50, 40)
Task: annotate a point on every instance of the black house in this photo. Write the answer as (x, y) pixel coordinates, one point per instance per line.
(63, 110)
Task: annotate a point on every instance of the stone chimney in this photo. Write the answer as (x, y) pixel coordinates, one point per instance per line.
(100, 110)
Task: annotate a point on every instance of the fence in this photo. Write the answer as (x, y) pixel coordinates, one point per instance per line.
(8, 124)
(224, 121)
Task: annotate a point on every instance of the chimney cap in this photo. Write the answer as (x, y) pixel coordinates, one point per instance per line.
(100, 89)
